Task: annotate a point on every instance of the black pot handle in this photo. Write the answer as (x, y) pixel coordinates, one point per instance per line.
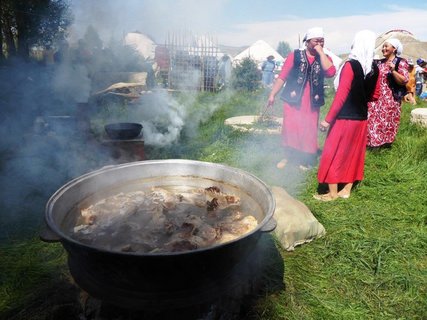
(48, 235)
(269, 226)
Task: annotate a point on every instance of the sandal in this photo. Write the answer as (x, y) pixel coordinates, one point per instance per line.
(344, 196)
(324, 197)
(305, 168)
(282, 163)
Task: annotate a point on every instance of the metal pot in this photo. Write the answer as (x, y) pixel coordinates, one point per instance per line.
(123, 130)
(138, 280)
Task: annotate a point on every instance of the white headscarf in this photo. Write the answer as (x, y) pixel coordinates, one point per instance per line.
(396, 44)
(362, 50)
(315, 32)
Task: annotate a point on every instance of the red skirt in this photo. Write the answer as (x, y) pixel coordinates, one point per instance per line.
(343, 156)
(300, 127)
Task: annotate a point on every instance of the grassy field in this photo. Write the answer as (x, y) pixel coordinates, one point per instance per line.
(372, 263)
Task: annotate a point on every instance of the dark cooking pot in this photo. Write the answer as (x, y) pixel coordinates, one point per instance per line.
(127, 278)
(123, 130)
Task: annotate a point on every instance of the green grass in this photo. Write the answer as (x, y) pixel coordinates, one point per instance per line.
(372, 263)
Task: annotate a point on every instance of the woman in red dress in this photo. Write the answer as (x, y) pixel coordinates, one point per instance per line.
(384, 114)
(303, 72)
(343, 157)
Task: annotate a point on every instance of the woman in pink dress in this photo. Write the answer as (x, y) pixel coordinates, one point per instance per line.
(343, 157)
(384, 114)
(303, 72)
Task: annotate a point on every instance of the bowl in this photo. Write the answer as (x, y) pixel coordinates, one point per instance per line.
(123, 130)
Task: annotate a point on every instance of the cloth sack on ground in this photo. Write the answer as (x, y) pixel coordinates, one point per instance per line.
(296, 224)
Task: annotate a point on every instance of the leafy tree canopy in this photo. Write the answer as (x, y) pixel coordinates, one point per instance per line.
(283, 48)
(27, 23)
(246, 75)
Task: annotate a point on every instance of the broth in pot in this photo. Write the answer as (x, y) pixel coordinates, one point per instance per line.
(182, 214)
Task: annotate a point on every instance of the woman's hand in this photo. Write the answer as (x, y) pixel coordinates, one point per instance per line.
(319, 49)
(324, 126)
(391, 65)
(270, 101)
(399, 78)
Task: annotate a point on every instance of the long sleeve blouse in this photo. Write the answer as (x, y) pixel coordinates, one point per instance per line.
(346, 78)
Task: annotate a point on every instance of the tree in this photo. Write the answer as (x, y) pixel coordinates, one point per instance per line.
(92, 39)
(26, 23)
(246, 76)
(7, 33)
(283, 48)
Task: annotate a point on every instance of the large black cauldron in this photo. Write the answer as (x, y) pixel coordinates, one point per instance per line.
(138, 280)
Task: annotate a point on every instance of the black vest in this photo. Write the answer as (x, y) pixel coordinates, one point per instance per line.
(355, 106)
(302, 72)
(398, 90)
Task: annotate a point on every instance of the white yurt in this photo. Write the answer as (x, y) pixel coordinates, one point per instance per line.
(141, 43)
(259, 51)
(412, 47)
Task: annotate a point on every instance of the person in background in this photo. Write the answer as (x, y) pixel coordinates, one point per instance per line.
(303, 72)
(343, 157)
(267, 68)
(224, 72)
(162, 59)
(411, 85)
(419, 77)
(384, 114)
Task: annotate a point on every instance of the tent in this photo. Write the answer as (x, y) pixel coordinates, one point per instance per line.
(141, 43)
(258, 51)
(412, 48)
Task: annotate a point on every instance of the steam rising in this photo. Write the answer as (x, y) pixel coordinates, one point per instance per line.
(162, 118)
(71, 82)
(43, 146)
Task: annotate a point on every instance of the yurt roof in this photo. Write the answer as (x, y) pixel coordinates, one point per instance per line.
(141, 43)
(259, 51)
(412, 47)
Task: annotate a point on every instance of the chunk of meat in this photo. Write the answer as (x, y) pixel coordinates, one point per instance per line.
(239, 227)
(222, 201)
(160, 220)
(166, 198)
(195, 198)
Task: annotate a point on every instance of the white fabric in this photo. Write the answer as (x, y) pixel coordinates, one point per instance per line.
(396, 44)
(296, 224)
(315, 32)
(362, 50)
(335, 59)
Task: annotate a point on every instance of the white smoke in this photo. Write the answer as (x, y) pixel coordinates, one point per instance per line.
(72, 82)
(155, 18)
(163, 123)
(165, 119)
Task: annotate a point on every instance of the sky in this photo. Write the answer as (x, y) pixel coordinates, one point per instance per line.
(241, 23)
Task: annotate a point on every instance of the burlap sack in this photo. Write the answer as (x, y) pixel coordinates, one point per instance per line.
(296, 224)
